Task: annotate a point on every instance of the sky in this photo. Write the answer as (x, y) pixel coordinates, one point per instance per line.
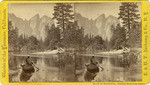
(93, 10)
(27, 11)
(88, 10)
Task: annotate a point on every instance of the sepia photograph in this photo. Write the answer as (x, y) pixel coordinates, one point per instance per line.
(111, 42)
(75, 42)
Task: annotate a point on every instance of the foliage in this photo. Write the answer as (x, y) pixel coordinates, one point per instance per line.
(32, 43)
(92, 43)
(98, 42)
(21, 42)
(129, 15)
(63, 14)
(135, 36)
(130, 59)
(52, 39)
(12, 36)
(73, 35)
(18, 43)
(119, 36)
(68, 34)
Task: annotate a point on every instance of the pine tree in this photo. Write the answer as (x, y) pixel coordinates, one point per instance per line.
(63, 14)
(118, 39)
(22, 41)
(52, 38)
(12, 36)
(129, 15)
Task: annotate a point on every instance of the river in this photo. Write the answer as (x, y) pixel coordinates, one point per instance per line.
(117, 68)
(51, 68)
(69, 68)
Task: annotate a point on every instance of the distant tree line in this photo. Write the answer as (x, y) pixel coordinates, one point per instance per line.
(19, 43)
(67, 33)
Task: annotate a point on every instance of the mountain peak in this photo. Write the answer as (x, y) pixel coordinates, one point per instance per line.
(12, 14)
(34, 26)
(78, 14)
(103, 24)
(45, 16)
(36, 16)
(86, 23)
(111, 16)
(101, 17)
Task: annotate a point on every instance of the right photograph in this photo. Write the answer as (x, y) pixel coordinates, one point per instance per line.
(110, 48)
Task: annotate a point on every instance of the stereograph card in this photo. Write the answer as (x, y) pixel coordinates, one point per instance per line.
(91, 42)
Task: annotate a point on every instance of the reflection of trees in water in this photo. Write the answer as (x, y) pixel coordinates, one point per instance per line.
(129, 59)
(64, 60)
(66, 66)
(61, 64)
(125, 60)
(122, 67)
(15, 62)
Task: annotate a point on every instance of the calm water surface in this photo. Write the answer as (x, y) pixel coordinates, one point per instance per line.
(116, 68)
(66, 68)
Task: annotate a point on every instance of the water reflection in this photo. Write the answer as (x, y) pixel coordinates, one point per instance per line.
(71, 68)
(52, 68)
(124, 67)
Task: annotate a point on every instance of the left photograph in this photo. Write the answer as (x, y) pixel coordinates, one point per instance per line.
(37, 40)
